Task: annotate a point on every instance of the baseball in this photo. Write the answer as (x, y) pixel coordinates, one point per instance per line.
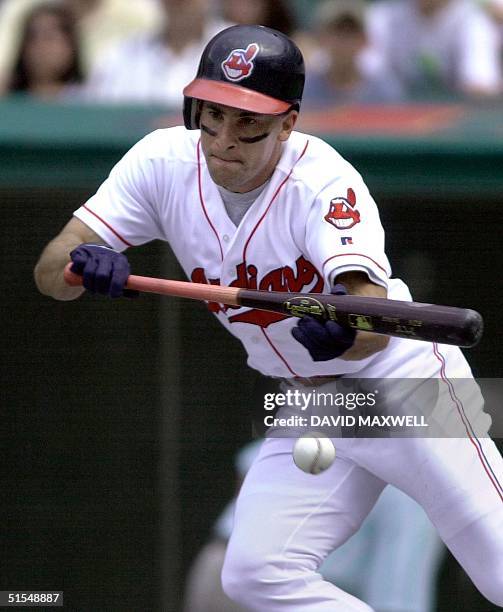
(313, 452)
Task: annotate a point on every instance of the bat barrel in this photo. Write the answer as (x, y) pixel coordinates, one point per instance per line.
(413, 320)
(472, 328)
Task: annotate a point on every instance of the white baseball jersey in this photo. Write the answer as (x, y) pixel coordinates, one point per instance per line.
(315, 219)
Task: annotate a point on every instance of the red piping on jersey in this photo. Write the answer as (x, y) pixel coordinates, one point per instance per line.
(473, 439)
(272, 200)
(251, 235)
(109, 227)
(201, 199)
(356, 255)
(276, 351)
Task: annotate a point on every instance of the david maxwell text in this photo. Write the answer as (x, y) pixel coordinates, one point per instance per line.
(347, 421)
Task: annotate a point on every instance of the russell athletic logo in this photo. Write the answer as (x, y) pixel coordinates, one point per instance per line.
(239, 64)
(342, 213)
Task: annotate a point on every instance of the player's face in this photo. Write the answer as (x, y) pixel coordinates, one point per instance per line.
(242, 148)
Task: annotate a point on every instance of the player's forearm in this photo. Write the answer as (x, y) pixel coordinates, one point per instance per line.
(48, 272)
(366, 344)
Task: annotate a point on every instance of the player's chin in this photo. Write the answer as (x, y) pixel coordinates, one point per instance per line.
(226, 176)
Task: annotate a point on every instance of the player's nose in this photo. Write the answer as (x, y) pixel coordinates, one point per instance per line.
(225, 138)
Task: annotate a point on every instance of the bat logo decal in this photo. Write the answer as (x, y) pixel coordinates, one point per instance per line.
(239, 64)
(301, 305)
(342, 213)
(359, 321)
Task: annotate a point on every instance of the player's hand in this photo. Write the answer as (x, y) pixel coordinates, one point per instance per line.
(324, 339)
(103, 270)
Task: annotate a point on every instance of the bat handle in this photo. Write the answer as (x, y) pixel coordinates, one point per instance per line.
(71, 279)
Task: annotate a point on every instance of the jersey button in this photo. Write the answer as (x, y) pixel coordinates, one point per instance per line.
(226, 238)
(255, 339)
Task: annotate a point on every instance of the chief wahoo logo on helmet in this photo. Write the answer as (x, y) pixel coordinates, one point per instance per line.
(239, 64)
(253, 68)
(342, 213)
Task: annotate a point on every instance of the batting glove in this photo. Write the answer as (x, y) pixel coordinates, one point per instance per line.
(103, 270)
(324, 339)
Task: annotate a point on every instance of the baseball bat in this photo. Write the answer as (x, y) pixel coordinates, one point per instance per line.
(414, 320)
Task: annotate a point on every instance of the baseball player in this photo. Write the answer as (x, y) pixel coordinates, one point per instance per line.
(245, 200)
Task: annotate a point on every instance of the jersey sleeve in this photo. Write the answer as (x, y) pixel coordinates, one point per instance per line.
(124, 209)
(344, 231)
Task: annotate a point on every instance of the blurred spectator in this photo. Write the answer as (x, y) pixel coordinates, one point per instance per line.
(339, 73)
(391, 563)
(48, 61)
(271, 13)
(154, 69)
(12, 15)
(437, 46)
(494, 8)
(100, 24)
(105, 23)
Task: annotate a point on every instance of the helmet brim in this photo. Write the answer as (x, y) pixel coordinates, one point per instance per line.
(235, 96)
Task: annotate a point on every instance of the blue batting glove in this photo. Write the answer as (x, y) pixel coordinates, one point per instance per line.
(103, 270)
(324, 339)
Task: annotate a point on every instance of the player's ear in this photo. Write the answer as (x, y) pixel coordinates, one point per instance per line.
(288, 122)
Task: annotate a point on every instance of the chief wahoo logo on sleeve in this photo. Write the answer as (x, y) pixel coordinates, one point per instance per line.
(342, 213)
(239, 64)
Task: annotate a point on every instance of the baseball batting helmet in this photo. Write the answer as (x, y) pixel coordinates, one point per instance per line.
(248, 67)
